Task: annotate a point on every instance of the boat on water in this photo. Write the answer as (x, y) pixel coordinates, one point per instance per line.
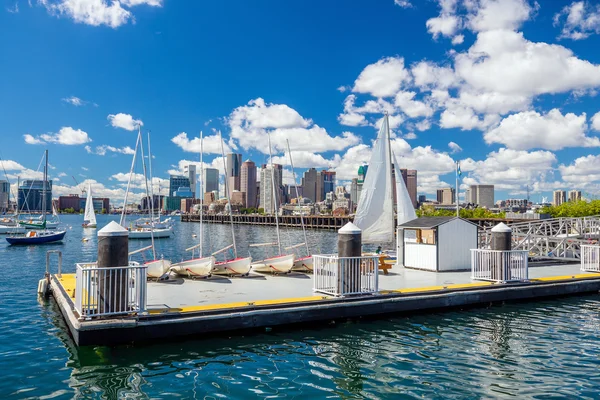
(156, 223)
(375, 209)
(89, 218)
(281, 263)
(42, 235)
(11, 229)
(200, 267)
(149, 233)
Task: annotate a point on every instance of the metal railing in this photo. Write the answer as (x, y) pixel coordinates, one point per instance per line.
(342, 276)
(101, 292)
(499, 265)
(590, 258)
(59, 272)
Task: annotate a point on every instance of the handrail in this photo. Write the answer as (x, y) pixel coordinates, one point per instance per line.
(59, 274)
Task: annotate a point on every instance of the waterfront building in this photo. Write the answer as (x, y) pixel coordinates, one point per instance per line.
(575, 195)
(354, 190)
(184, 192)
(234, 165)
(422, 198)
(4, 195)
(516, 203)
(559, 197)
(176, 182)
(190, 171)
(248, 183)
(267, 202)
(210, 180)
(31, 193)
(188, 204)
(446, 196)
(209, 198)
(238, 198)
(77, 203)
(157, 201)
(325, 184)
(482, 195)
(172, 203)
(309, 184)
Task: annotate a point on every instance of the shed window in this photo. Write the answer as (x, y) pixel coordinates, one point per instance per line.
(426, 236)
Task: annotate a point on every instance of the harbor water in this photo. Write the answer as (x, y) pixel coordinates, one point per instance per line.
(542, 349)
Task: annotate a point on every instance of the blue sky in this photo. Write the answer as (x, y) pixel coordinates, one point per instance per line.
(508, 87)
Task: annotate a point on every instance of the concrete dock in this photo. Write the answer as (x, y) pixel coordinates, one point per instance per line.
(181, 307)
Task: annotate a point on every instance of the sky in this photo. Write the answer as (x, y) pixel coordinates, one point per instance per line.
(509, 88)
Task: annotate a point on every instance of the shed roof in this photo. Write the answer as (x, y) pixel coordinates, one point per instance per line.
(429, 222)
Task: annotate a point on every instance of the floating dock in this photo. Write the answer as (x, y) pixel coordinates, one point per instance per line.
(182, 307)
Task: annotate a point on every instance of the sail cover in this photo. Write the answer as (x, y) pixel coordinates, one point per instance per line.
(89, 216)
(405, 210)
(375, 211)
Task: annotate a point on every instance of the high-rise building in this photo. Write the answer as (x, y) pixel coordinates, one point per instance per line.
(468, 196)
(177, 181)
(422, 198)
(309, 184)
(234, 170)
(362, 174)
(325, 184)
(210, 180)
(267, 201)
(31, 193)
(248, 183)
(410, 180)
(446, 196)
(482, 195)
(354, 191)
(559, 197)
(4, 195)
(190, 171)
(574, 195)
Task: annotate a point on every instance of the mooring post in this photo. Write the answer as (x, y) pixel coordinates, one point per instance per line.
(113, 251)
(349, 245)
(501, 240)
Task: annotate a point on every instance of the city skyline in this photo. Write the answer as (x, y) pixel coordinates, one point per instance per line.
(511, 98)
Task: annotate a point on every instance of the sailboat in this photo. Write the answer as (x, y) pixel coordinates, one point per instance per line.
(39, 236)
(236, 265)
(200, 267)
(89, 218)
(282, 263)
(375, 211)
(10, 223)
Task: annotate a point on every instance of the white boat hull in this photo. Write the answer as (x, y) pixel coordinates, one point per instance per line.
(303, 264)
(147, 233)
(157, 268)
(280, 264)
(238, 266)
(196, 268)
(7, 230)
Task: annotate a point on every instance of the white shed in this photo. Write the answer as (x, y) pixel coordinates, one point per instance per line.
(438, 243)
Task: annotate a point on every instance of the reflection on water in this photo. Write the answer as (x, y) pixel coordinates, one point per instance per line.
(539, 350)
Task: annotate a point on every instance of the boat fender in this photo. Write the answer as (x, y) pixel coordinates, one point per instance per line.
(43, 287)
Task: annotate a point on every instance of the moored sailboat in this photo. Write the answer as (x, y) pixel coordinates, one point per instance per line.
(89, 218)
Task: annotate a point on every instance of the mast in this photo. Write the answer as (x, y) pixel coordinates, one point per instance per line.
(147, 193)
(44, 192)
(137, 143)
(297, 197)
(456, 193)
(151, 184)
(274, 194)
(201, 187)
(227, 196)
(389, 162)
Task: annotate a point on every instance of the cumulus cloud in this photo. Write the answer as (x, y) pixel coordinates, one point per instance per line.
(552, 131)
(596, 122)
(124, 121)
(583, 172)
(455, 148)
(211, 145)
(580, 19)
(403, 3)
(382, 79)
(103, 149)
(487, 15)
(66, 136)
(76, 101)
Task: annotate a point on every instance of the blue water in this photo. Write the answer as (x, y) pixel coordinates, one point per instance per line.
(547, 349)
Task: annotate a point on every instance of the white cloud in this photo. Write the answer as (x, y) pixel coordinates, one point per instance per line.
(582, 19)
(458, 39)
(211, 145)
(10, 165)
(445, 25)
(76, 101)
(428, 75)
(455, 148)
(66, 136)
(456, 115)
(403, 3)
(14, 9)
(103, 149)
(596, 122)
(306, 159)
(553, 131)
(412, 108)
(500, 14)
(124, 121)
(85, 169)
(382, 79)
(584, 171)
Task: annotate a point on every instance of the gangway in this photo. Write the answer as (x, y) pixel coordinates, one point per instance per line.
(554, 238)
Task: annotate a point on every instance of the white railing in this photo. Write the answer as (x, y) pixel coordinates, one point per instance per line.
(499, 265)
(590, 258)
(101, 292)
(342, 276)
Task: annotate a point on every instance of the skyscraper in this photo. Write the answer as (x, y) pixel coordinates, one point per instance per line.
(210, 180)
(410, 180)
(325, 184)
(354, 191)
(482, 195)
(4, 195)
(309, 184)
(446, 196)
(234, 164)
(559, 197)
(190, 171)
(248, 183)
(177, 181)
(267, 201)
(574, 195)
(31, 193)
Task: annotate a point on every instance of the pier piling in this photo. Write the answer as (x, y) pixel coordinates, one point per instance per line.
(113, 251)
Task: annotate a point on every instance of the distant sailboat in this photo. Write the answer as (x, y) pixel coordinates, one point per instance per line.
(89, 218)
(375, 211)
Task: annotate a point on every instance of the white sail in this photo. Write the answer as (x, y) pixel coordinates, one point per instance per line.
(90, 215)
(375, 211)
(405, 210)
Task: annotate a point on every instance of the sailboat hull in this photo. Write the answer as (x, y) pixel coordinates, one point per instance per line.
(196, 268)
(303, 264)
(147, 233)
(157, 268)
(280, 264)
(238, 266)
(89, 225)
(38, 238)
(11, 229)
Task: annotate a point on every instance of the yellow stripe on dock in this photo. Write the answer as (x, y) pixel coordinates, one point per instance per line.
(566, 277)
(241, 304)
(67, 281)
(438, 288)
